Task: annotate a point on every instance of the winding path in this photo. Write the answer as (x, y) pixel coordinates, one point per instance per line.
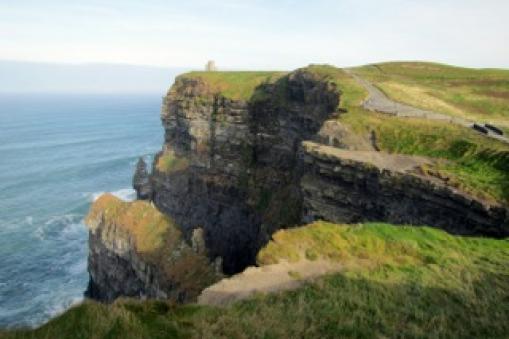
(265, 279)
(378, 102)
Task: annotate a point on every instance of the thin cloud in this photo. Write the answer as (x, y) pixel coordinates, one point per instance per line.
(257, 33)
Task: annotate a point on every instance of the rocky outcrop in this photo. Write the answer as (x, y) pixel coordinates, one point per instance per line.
(241, 176)
(141, 181)
(348, 187)
(134, 250)
(233, 167)
(236, 168)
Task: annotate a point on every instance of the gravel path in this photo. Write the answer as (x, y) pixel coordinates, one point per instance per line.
(265, 279)
(378, 102)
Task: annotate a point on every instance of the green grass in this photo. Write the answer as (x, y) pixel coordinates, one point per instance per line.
(476, 94)
(168, 163)
(473, 163)
(415, 282)
(235, 85)
(150, 229)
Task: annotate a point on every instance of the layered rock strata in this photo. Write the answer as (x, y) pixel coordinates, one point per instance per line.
(236, 168)
(347, 187)
(231, 166)
(134, 250)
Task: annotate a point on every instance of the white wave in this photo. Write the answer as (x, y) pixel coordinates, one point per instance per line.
(73, 229)
(63, 219)
(125, 194)
(65, 226)
(39, 233)
(56, 309)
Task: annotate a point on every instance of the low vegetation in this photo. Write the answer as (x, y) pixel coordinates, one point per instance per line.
(235, 85)
(471, 162)
(168, 163)
(398, 281)
(157, 240)
(476, 94)
(150, 229)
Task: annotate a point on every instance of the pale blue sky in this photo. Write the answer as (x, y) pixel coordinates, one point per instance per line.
(255, 34)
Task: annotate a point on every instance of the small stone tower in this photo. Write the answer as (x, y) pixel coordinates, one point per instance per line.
(211, 66)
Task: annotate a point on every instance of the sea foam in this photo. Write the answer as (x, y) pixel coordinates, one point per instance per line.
(125, 194)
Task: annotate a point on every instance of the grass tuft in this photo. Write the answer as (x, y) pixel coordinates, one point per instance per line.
(169, 162)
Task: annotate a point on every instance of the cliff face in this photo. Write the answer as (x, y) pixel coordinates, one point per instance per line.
(349, 187)
(235, 168)
(134, 250)
(231, 166)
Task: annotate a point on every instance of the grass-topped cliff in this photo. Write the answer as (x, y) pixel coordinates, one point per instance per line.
(234, 85)
(396, 282)
(138, 230)
(466, 159)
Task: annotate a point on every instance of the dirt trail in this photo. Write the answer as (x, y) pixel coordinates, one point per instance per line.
(379, 102)
(265, 279)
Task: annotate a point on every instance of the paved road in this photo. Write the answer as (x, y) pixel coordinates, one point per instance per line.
(378, 102)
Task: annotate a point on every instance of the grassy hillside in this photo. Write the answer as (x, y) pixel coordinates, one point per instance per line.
(468, 160)
(397, 282)
(476, 94)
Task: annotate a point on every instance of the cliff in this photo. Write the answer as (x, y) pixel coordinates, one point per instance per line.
(350, 187)
(232, 164)
(134, 250)
(249, 153)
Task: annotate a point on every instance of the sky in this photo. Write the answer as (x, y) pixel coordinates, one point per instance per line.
(255, 34)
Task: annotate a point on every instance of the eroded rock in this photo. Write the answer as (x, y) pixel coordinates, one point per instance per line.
(348, 187)
(134, 250)
(141, 181)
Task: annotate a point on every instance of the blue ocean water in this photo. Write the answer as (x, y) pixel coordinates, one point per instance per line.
(58, 152)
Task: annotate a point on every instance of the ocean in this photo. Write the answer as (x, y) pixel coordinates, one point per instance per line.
(57, 154)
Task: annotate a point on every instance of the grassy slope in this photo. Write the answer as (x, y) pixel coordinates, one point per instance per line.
(474, 163)
(398, 282)
(477, 94)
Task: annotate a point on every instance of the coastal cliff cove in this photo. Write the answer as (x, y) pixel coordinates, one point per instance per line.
(302, 204)
(254, 169)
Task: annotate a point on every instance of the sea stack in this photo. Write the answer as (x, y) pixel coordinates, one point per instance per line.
(141, 181)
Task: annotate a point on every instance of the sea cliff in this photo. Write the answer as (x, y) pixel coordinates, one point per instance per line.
(248, 153)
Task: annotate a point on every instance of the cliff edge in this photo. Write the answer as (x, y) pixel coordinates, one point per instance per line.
(134, 250)
(248, 153)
